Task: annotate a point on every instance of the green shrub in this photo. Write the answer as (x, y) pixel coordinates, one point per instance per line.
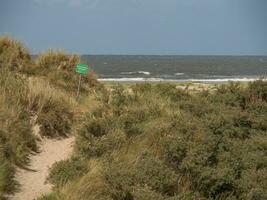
(168, 90)
(51, 196)
(97, 147)
(118, 98)
(258, 89)
(142, 88)
(175, 150)
(154, 173)
(132, 119)
(230, 94)
(67, 170)
(7, 182)
(253, 184)
(145, 193)
(146, 171)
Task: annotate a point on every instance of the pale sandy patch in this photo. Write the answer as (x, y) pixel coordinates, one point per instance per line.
(33, 182)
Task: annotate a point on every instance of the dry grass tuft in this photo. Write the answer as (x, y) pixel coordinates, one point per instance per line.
(59, 68)
(13, 55)
(54, 108)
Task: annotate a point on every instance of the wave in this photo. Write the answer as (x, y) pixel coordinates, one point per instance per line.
(137, 72)
(138, 79)
(179, 74)
(227, 80)
(131, 79)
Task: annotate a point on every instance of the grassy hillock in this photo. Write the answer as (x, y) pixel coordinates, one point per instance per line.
(157, 142)
(28, 97)
(59, 68)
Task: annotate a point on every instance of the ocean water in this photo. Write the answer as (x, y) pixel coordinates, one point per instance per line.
(178, 68)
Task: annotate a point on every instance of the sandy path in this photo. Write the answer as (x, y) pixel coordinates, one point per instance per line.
(33, 183)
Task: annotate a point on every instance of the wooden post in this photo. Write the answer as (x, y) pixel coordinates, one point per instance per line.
(79, 86)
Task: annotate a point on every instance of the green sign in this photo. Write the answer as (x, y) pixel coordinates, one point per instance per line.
(82, 69)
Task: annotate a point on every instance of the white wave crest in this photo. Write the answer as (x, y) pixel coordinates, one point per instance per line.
(130, 79)
(137, 72)
(179, 74)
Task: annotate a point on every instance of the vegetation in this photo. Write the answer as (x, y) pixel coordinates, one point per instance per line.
(15, 128)
(53, 108)
(156, 142)
(140, 142)
(13, 55)
(26, 100)
(59, 69)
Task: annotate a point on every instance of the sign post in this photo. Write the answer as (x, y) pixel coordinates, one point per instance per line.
(82, 69)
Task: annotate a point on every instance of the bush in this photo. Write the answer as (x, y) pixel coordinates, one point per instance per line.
(96, 147)
(168, 90)
(51, 196)
(154, 173)
(67, 170)
(258, 89)
(145, 193)
(124, 178)
(7, 182)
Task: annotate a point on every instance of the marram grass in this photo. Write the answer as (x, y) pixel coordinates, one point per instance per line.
(26, 92)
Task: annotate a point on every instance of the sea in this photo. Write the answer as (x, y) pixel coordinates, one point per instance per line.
(134, 68)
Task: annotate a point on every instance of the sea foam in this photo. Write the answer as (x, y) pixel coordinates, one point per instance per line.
(137, 72)
(179, 74)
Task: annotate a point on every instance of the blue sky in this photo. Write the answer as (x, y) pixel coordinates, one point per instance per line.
(176, 27)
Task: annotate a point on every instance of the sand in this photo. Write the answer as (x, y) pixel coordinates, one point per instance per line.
(33, 182)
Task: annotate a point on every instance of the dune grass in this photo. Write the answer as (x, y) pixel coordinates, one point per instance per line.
(143, 141)
(20, 101)
(13, 55)
(159, 142)
(16, 138)
(54, 108)
(59, 68)
(26, 95)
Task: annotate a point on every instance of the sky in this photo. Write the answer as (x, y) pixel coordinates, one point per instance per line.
(138, 27)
